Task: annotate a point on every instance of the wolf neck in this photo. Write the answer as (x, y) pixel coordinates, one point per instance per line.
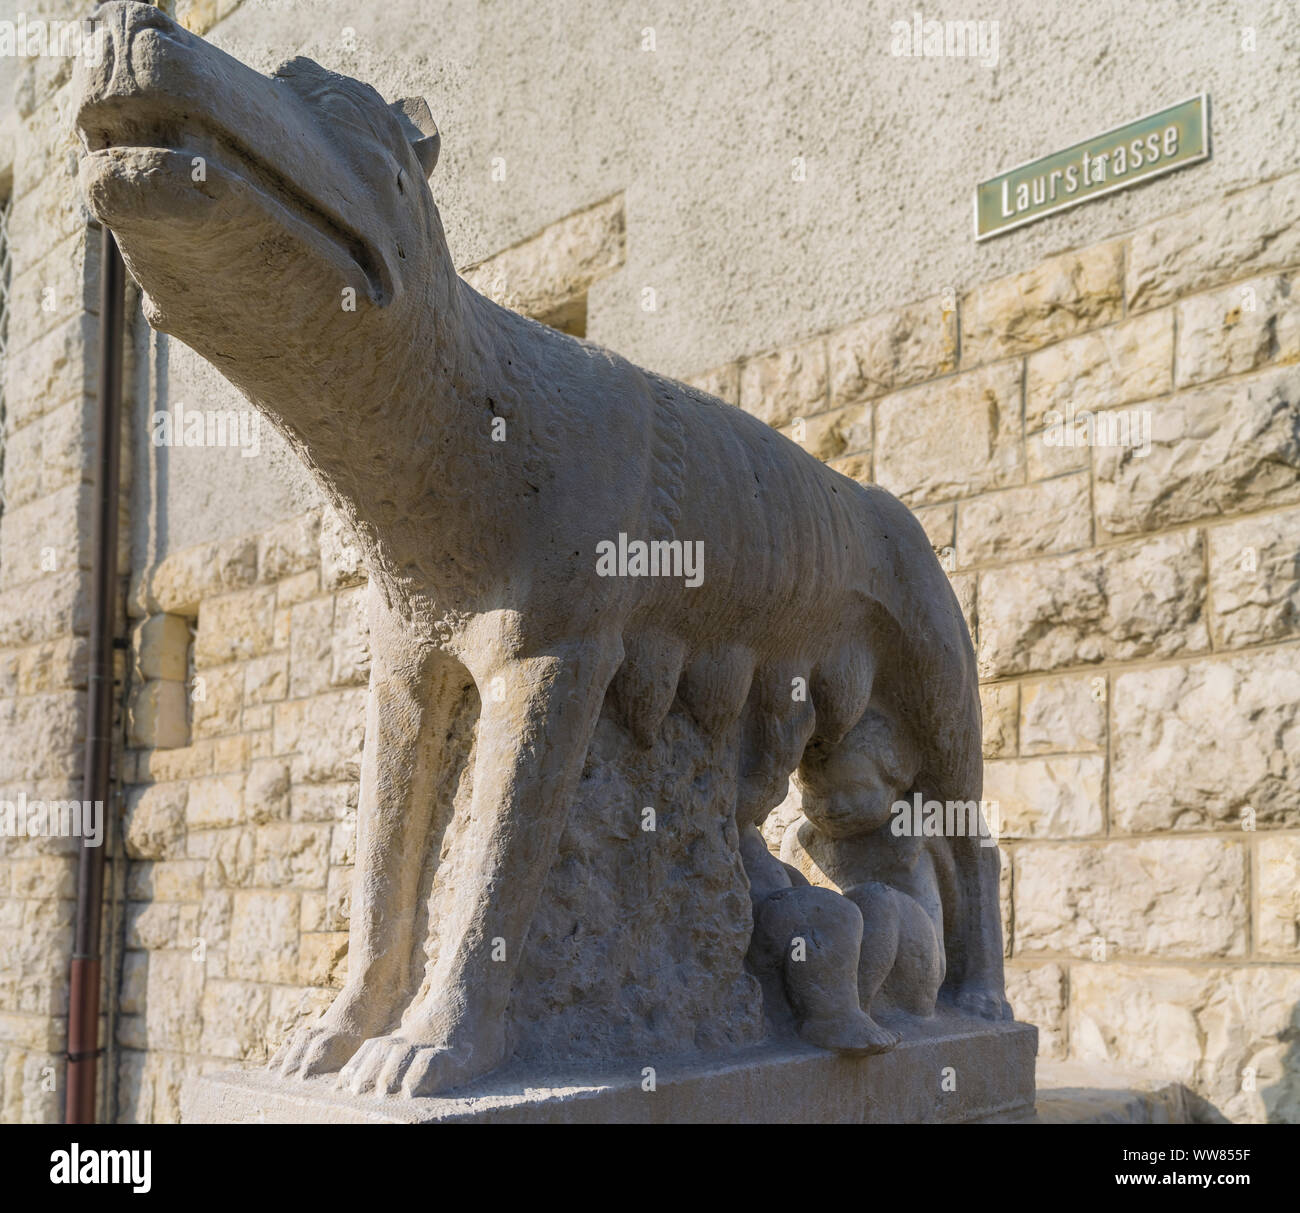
(398, 436)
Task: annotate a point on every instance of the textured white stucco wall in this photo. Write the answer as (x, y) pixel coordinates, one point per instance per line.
(701, 132)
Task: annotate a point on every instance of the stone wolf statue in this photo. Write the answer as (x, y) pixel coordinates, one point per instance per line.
(483, 555)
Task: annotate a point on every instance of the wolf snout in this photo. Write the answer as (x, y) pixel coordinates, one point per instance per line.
(132, 43)
(122, 20)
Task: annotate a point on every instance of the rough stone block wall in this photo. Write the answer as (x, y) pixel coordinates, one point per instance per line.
(1136, 616)
(240, 838)
(49, 451)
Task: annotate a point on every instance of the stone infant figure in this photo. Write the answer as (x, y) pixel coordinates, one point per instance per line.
(837, 954)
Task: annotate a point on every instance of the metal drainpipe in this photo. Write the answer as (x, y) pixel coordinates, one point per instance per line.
(83, 1008)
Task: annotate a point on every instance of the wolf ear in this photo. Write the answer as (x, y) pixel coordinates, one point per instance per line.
(422, 131)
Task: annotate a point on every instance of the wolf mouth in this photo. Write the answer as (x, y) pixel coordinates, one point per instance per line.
(110, 126)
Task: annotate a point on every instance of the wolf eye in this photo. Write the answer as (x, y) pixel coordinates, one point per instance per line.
(401, 181)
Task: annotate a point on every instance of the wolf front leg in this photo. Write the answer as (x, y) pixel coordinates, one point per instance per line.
(538, 716)
(413, 693)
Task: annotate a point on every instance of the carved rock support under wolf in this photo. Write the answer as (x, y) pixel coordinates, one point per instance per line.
(482, 554)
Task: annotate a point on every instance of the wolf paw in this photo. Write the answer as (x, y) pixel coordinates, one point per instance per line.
(397, 1063)
(315, 1049)
(982, 1003)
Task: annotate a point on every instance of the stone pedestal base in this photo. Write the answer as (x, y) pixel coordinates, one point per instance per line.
(953, 1070)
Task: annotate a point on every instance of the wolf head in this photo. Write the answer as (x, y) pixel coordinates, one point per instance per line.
(257, 213)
